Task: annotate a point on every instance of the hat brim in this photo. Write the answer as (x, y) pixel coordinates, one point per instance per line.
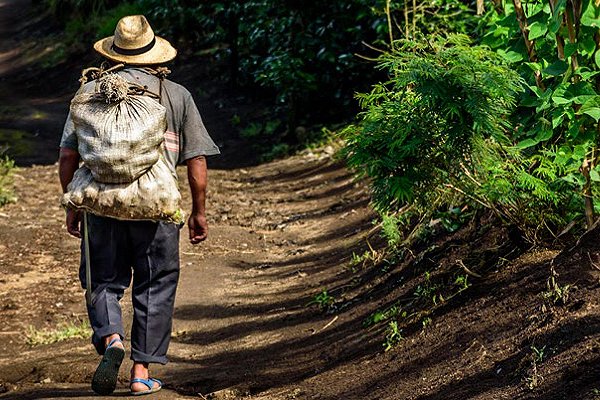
(161, 52)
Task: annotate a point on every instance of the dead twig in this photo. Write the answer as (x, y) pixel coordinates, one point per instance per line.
(467, 270)
(328, 324)
(592, 262)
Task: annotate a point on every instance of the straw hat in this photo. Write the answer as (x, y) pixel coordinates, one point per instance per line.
(134, 42)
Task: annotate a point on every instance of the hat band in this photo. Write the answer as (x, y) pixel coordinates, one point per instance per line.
(133, 52)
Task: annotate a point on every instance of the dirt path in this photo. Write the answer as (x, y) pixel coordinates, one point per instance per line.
(281, 233)
(241, 320)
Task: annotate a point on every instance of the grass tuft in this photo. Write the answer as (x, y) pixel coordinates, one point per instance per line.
(64, 331)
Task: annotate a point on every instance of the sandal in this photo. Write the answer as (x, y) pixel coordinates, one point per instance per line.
(104, 381)
(148, 382)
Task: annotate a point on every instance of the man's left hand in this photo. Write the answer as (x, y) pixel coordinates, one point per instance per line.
(198, 228)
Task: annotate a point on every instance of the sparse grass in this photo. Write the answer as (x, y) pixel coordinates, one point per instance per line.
(534, 378)
(7, 194)
(393, 336)
(384, 314)
(322, 300)
(64, 331)
(555, 293)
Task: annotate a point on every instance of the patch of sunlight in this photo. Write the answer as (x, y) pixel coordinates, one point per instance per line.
(37, 115)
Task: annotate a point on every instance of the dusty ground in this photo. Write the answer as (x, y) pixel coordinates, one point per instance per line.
(281, 233)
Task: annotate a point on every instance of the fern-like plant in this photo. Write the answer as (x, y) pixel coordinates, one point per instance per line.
(418, 130)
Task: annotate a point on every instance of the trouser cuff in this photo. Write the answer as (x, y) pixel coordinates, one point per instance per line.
(138, 356)
(97, 340)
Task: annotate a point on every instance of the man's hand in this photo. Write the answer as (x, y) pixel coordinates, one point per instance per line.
(74, 222)
(197, 178)
(198, 228)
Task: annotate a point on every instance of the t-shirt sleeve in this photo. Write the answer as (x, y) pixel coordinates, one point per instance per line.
(195, 140)
(69, 138)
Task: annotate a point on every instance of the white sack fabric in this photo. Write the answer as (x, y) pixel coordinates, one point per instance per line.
(119, 134)
(154, 196)
(124, 173)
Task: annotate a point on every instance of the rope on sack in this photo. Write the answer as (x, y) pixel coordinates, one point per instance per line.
(99, 73)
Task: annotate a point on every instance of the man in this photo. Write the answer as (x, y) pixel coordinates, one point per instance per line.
(148, 249)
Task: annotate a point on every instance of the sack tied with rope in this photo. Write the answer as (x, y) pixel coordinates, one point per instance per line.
(120, 132)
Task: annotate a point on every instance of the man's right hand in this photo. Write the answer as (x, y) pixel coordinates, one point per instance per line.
(74, 220)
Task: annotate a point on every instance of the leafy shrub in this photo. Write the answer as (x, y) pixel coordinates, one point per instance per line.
(421, 130)
(557, 120)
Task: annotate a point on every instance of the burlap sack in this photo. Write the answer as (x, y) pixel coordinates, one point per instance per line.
(119, 134)
(154, 196)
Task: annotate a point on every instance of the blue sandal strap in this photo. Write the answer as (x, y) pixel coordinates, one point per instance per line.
(112, 342)
(148, 382)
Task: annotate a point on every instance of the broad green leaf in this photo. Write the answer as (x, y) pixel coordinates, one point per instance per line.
(534, 66)
(588, 74)
(536, 90)
(594, 175)
(587, 44)
(579, 152)
(543, 135)
(574, 131)
(583, 99)
(561, 100)
(593, 112)
(597, 58)
(590, 15)
(511, 56)
(527, 143)
(536, 30)
(557, 118)
(557, 68)
(592, 102)
(570, 48)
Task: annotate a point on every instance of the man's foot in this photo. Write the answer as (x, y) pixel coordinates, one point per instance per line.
(104, 381)
(151, 385)
(141, 383)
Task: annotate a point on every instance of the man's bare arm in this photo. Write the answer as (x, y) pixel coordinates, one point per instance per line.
(197, 178)
(68, 163)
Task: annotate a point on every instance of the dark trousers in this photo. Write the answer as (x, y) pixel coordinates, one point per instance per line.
(150, 252)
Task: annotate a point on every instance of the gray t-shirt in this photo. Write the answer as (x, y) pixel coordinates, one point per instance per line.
(185, 138)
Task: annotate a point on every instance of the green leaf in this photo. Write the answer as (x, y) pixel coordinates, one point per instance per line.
(556, 20)
(534, 66)
(557, 118)
(526, 143)
(511, 56)
(592, 102)
(593, 112)
(557, 68)
(570, 48)
(587, 44)
(561, 100)
(597, 58)
(537, 30)
(583, 99)
(543, 135)
(590, 15)
(594, 175)
(579, 152)
(588, 74)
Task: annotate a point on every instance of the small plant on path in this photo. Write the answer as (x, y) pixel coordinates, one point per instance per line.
(64, 331)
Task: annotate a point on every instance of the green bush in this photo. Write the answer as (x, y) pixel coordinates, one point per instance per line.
(442, 131)
(422, 128)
